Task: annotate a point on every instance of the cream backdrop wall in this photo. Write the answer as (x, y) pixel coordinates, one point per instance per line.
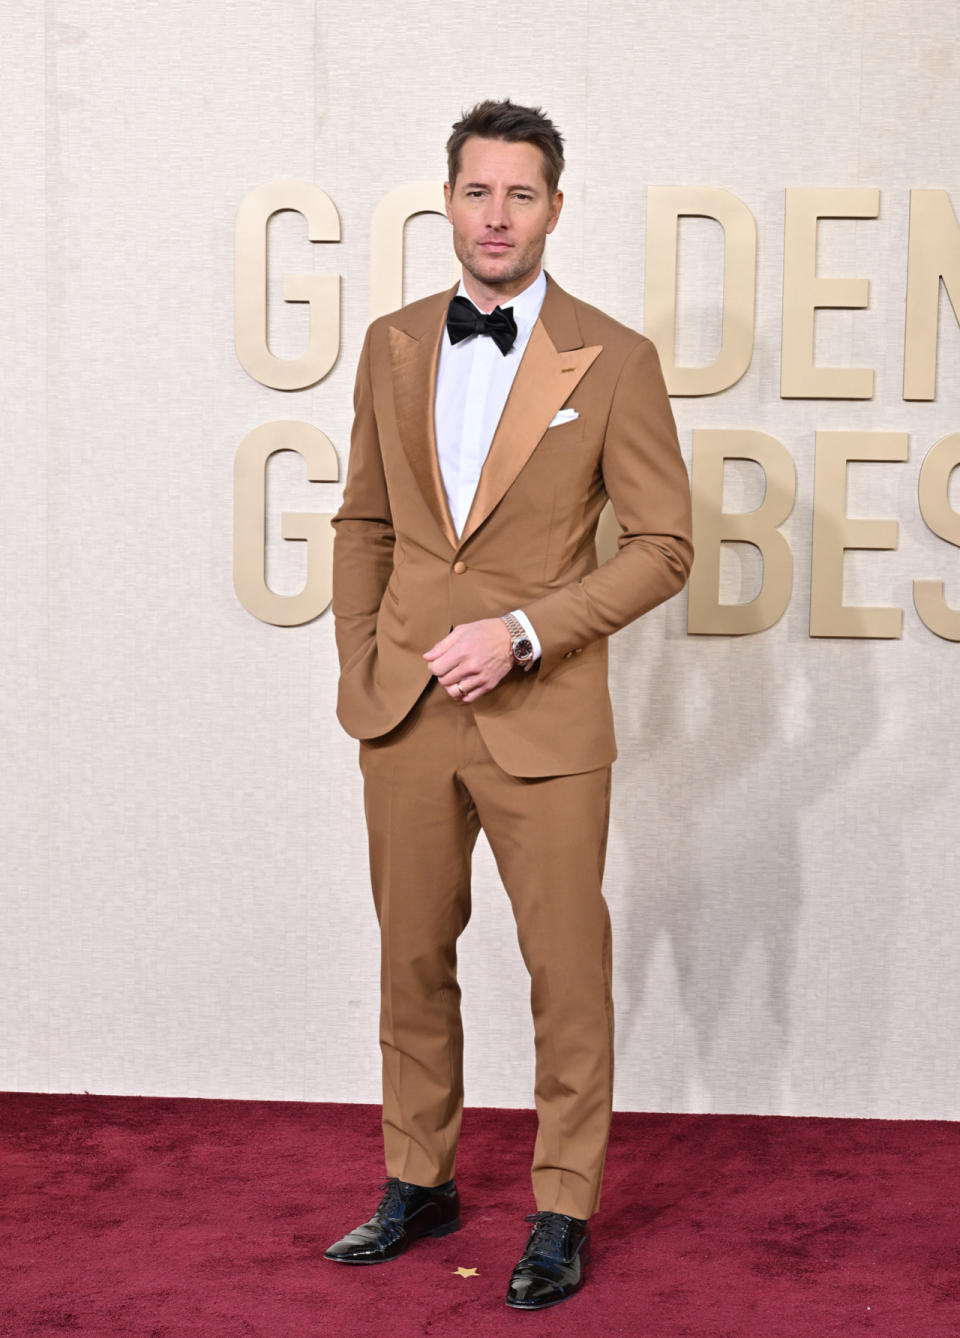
(186, 905)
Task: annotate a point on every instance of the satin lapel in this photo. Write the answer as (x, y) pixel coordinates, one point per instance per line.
(414, 358)
(545, 380)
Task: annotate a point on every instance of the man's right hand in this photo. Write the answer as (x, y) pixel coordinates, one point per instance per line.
(472, 659)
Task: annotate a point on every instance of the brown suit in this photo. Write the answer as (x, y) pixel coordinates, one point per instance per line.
(402, 580)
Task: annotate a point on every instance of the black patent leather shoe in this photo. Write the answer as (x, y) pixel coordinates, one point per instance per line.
(406, 1213)
(551, 1268)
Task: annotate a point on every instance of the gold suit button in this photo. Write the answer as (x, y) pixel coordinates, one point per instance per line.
(459, 568)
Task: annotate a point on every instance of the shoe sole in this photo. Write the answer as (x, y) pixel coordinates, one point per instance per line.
(544, 1305)
(447, 1229)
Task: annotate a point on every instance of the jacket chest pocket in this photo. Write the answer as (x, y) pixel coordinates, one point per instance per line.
(564, 435)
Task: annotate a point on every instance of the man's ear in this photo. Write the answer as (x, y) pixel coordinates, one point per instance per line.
(556, 204)
(447, 193)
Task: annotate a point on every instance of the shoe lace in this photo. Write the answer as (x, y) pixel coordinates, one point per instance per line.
(391, 1205)
(549, 1235)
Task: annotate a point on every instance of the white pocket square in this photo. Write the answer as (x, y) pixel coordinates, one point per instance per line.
(564, 416)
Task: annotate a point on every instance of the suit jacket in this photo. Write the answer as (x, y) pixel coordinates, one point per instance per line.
(402, 578)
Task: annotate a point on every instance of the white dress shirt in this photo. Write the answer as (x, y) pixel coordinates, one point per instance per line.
(473, 382)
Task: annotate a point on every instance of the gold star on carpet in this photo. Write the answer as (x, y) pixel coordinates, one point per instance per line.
(466, 1272)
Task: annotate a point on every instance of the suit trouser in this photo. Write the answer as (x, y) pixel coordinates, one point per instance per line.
(430, 785)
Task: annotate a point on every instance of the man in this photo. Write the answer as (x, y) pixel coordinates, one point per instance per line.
(471, 621)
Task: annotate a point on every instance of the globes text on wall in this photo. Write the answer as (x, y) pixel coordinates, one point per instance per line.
(932, 265)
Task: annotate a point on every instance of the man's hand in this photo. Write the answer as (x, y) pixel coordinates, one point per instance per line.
(472, 659)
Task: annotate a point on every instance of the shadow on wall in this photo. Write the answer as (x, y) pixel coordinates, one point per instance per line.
(731, 799)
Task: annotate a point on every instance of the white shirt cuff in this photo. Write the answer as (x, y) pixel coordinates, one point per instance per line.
(521, 617)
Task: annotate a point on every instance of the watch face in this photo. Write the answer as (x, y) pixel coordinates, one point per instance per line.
(523, 649)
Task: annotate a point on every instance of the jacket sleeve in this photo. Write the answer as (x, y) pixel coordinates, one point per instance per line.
(363, 527)
(646, 480)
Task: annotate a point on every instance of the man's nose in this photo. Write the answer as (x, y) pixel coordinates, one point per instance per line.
(498, 215)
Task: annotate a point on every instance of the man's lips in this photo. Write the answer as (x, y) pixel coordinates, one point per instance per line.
(496, 246)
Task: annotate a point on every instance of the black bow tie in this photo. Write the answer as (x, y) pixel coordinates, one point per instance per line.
(464, 320)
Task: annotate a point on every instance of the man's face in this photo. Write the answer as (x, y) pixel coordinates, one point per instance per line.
(501, 211)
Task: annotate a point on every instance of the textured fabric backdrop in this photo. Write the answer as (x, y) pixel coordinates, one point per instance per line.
(186, 908)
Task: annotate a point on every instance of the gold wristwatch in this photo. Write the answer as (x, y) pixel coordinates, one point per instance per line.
(520, 644)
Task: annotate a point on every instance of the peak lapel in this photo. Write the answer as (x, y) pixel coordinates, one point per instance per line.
(414, 358)
(553, 363)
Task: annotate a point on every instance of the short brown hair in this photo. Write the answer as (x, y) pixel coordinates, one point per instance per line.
(508, 120)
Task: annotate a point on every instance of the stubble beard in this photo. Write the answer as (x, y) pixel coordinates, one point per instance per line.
(499, 272)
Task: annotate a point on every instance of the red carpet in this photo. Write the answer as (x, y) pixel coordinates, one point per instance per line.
(158, 1218)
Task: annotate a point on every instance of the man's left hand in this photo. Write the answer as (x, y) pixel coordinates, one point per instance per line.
(472, 659)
